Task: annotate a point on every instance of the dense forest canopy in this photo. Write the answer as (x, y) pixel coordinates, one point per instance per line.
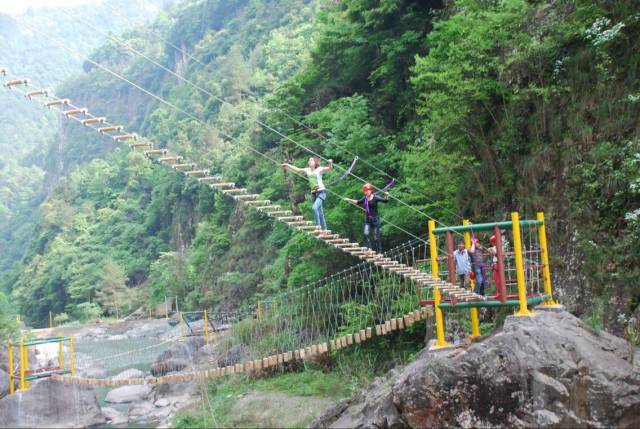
(477, 107)
(25, 130)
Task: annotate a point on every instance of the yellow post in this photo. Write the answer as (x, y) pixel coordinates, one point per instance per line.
(517, 245)
(10, 368)
(50, 321)
(206, 328)
(60, 355)
(17, 318)
(23, 363)
(181, 322)
(215, 338)
(149, 311)
(440, 340)
(475, 322)
(72, 355)
(544, 258)
(259, 310)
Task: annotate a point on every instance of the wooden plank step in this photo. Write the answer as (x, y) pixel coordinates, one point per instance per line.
(268, 209)
(192, 173)
(247, 197)
(299, 223)
(278, 212)
(347, 245)
(209, 179)
(290, 218)
(170, 159)
(234, 191)
(330, 237)
(311, 229)
(337, 240)
(259, 202)
(222, 185)
(183, 166)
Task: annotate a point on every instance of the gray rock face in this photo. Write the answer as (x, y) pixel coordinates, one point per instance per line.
(129, 373)
(547, 371)
(93, 372)
(232, 356)
(126, 394)
(51, 404)
(4, 383)
(177, 357)
(114, 417)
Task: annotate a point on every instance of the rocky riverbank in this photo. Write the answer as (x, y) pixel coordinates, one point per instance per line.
(551, 371)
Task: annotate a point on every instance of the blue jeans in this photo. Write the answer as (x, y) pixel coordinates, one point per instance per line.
(318, 200)
(479, 289)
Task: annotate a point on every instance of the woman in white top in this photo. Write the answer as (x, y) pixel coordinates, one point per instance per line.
(314, 174)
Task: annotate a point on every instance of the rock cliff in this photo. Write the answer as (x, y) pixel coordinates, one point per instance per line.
(550, 370)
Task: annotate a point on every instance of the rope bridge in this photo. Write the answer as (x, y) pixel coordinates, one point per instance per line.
(342, 310)
(217, 182)
(384, 293)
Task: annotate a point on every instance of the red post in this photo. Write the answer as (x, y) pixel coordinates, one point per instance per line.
(501, 288)
(450, 261)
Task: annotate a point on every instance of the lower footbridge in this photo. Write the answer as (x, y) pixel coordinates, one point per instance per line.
(382, 294)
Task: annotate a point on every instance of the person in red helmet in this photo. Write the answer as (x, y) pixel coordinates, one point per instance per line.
(370, 202)
(493, 250)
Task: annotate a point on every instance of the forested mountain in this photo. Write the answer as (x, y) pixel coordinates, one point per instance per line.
(478, 108)
(26, 130)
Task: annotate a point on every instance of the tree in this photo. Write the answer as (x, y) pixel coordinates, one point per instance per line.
(111, 290)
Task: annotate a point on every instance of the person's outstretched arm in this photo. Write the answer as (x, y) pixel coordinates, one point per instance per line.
(328, 167)
(351, 201)
(288, 166)
(384, 199)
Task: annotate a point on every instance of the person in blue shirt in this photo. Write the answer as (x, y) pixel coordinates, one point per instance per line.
(463, 264)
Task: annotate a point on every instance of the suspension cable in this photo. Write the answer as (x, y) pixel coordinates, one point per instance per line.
(223, 101)
(191, 116)
(294, 119)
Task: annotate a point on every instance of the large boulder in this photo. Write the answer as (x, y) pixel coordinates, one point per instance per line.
(51, 404)
(4, 383)
(114, 417)
(127, 394)
(550, 370)
(233, 355)
(128, 374)
(177, 357)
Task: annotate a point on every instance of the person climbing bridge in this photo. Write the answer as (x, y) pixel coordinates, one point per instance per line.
(493, 251)
(370, 202)
(477, 265)
(314, 173)
(463, 264)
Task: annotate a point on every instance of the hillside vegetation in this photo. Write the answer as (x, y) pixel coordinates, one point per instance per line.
(477, 107)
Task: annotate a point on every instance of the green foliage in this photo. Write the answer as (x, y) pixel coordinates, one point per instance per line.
(308, 382)
(8, 325)
(478, 108)
(86, 312)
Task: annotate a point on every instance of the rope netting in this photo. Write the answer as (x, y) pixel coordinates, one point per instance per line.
(347, 308)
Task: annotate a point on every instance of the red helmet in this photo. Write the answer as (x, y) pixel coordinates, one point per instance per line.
(493, 239)
(367, 187)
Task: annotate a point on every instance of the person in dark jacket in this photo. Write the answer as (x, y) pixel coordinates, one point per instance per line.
(370, 202)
